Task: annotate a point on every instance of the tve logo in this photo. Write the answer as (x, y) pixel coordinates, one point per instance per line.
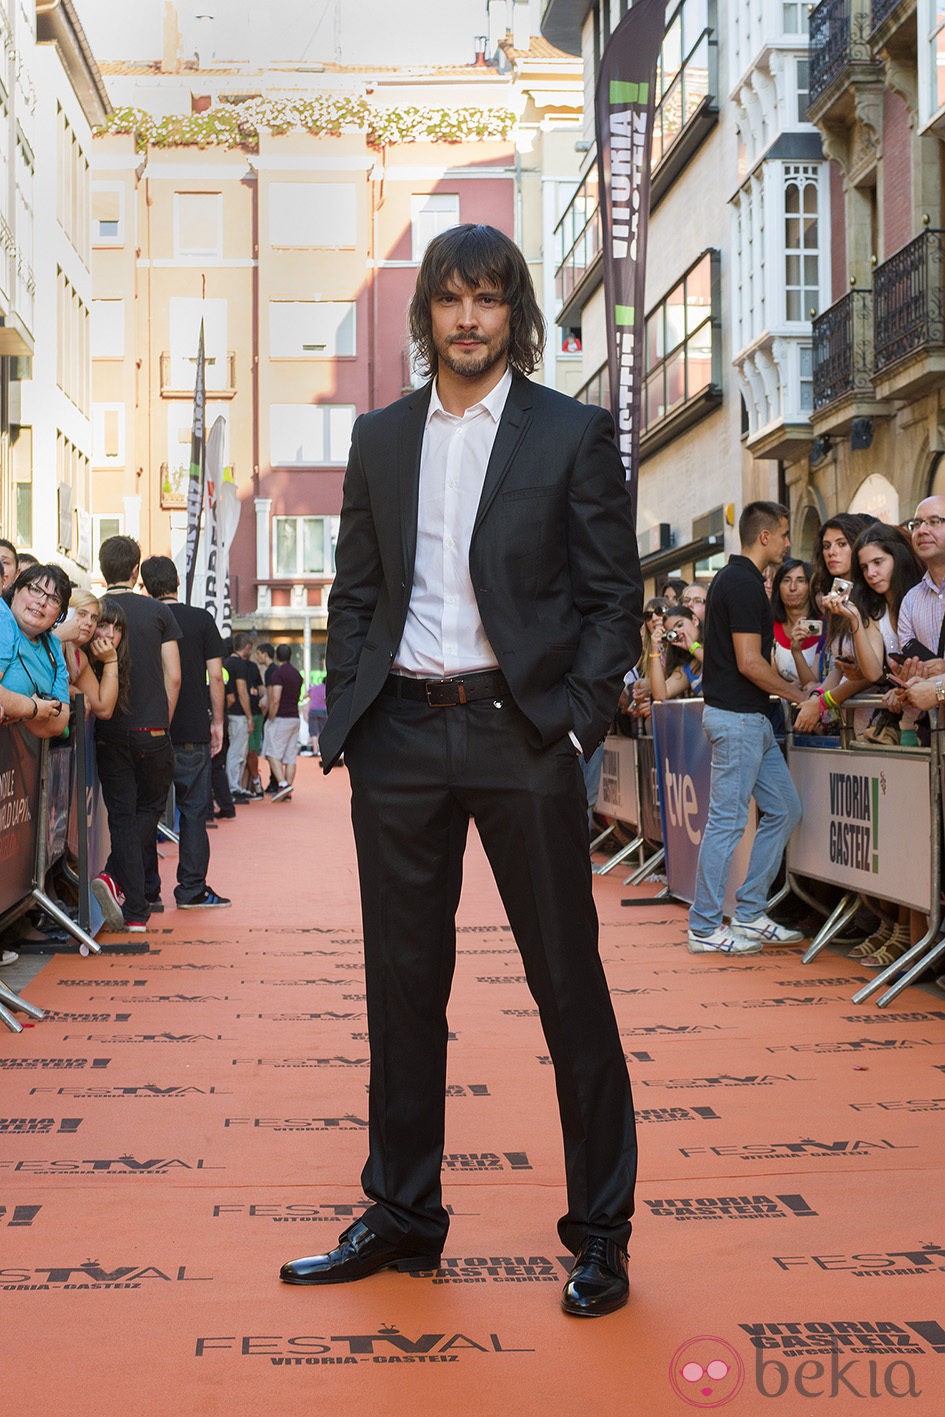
(681, 802)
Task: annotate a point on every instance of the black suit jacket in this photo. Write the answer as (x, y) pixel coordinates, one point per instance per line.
(553, 561)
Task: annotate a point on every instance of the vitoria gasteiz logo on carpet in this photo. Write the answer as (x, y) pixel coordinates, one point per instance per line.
(706, 1371)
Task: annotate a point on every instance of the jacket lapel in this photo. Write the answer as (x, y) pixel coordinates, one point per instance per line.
(408, 476)
(513, 424)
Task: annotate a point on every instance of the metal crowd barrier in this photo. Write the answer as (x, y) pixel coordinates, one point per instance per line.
(37, 818)
(856, 816)
(856, 819)
(628, 798)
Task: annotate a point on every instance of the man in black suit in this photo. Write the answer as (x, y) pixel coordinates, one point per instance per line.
(485, 606)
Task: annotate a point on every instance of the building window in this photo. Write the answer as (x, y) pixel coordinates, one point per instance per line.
(108, 214)
(309, 435)
(577, 237)
(312, 329)
(103, 526)
(198, 224)
(430, 215)
(802, 87)
(794, 16)
(304, 546)
(805, 362)
(186, 314)
(681, 343)
(597, 388)
(801, 238)
(305, 214)
(683, 74)
(108, 434)
(108, 329)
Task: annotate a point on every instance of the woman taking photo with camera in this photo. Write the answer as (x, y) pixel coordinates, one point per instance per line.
(680, 675)
(797, 629)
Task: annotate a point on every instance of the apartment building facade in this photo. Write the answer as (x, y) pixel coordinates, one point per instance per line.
(739, 193)
(51, 95)
(877, 95)
(298, 250)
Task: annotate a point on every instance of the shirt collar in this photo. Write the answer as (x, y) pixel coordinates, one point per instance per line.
(493, 402)
(928, 581)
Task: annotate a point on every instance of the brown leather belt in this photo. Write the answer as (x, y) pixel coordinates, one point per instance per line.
(446, 693)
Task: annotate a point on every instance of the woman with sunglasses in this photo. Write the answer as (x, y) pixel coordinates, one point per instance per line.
(34, 684)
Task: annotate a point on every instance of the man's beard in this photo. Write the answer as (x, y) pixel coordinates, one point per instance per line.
(474, 365)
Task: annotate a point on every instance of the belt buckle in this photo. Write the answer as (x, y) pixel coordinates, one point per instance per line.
(433, 701)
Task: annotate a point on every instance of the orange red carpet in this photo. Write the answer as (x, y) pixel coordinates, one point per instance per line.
(185, 1120)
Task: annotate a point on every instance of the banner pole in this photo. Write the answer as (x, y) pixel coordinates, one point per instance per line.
(82, 815)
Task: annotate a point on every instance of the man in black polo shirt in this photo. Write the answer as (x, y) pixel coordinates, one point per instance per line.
(737, 681)
(196, 733)
(133, 747)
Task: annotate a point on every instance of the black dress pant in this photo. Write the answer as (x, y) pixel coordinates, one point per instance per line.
(418, 774)
(135, 770)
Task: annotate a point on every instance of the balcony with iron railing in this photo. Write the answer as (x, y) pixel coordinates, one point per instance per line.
(220, 376)
(840, 54)
(886, 16)
(842, 364)
(909, 318)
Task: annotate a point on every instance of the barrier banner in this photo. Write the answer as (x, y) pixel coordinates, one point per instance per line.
(683, 769)
(19, 800)
(617, 796)
(867, 822)
(96, 822)
(61, 774)
(651, 827)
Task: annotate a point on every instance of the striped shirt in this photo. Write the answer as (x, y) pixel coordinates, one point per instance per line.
(921, 613)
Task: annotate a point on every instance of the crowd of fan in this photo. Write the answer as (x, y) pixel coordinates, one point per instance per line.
(171, 706)
(865, 617)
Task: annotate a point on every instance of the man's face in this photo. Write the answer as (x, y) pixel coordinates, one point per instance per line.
(470, 328)
(8, 567)
(778, 543)
(927, 538)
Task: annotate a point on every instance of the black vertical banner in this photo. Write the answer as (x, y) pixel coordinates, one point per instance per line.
(198, 453)
(624, 123)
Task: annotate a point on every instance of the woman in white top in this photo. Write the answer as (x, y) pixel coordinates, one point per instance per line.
(796, 651)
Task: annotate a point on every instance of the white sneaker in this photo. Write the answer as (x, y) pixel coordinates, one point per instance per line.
(9, 957)
(722, 941)
(285, 791)
(767, 931)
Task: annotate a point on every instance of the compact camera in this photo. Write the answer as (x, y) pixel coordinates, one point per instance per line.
(840, 586)
(811, 627)
(673, 637)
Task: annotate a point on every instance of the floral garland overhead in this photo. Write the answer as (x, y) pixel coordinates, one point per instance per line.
(238, 125)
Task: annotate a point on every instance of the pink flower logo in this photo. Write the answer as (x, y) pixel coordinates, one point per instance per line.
(706, 1371)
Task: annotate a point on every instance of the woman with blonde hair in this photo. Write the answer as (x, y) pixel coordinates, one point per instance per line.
(91, 657)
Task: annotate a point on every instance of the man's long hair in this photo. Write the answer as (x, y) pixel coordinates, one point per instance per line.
(476, 256)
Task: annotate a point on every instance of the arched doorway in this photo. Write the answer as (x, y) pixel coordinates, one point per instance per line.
(877, 498)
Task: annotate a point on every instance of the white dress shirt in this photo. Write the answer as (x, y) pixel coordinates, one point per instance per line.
(443, 635)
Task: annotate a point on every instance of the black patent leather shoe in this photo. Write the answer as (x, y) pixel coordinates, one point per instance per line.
(598, 1282)
(359, 1252)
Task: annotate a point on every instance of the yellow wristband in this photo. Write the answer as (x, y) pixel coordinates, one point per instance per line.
(696, 644)
(830, 700)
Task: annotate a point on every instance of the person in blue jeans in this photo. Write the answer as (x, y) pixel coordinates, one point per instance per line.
(738, 680)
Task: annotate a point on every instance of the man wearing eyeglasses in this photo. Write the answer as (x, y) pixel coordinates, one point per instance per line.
(922, 613)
